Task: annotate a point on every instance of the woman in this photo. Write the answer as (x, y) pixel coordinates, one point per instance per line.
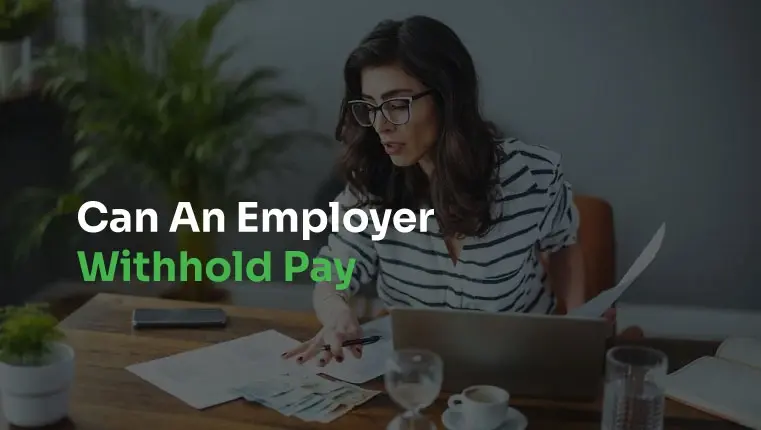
(414, 138)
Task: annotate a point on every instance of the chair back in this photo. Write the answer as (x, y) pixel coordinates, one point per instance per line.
(597, 240)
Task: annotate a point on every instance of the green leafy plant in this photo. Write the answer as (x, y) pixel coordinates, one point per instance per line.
(27, 334)
(168, 119)
(19, 18)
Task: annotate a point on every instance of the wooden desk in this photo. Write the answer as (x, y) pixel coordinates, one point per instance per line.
(107, 397)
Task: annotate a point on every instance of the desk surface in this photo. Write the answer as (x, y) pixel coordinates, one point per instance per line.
(106, 396)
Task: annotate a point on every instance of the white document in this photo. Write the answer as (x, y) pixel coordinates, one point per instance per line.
(374, 356)
(598, 305)
(205, 377)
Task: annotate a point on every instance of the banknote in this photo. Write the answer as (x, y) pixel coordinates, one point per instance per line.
(265, 389)
(337, 405)
(289, 402)
(328, 402)
(308, 397)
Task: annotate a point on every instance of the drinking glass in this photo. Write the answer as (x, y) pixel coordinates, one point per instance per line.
(634, 398)
(413, 380)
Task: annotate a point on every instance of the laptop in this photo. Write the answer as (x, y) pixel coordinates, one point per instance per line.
(530, 355)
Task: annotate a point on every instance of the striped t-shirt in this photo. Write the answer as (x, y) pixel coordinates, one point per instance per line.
(500, 272)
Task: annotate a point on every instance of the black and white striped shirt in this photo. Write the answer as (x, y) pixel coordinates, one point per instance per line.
(500, 272)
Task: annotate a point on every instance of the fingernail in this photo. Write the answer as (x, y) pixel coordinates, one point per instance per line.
(358, 349)
(284, 354)
(322, 362)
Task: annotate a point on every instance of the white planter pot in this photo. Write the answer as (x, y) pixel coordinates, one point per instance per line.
(36, 396)
(11, 60)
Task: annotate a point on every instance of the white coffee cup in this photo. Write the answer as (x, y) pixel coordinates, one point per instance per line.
(482, 407)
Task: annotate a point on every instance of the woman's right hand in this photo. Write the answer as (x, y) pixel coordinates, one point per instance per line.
(341, 327)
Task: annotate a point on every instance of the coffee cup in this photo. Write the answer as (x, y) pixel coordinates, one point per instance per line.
(482, 407)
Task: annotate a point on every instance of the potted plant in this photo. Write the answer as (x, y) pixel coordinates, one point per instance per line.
(18, 20)
(36, 367)
(174, 123)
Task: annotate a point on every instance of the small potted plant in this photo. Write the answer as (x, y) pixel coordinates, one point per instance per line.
(36, 367)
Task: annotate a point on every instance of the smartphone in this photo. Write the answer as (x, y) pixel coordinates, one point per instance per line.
(178, 318)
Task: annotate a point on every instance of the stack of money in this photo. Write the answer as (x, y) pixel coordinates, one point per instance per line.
(306, 396)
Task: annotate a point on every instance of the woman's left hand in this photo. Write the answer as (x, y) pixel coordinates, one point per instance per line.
(610, 315)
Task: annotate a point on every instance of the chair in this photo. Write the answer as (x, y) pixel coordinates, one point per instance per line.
(596, 237)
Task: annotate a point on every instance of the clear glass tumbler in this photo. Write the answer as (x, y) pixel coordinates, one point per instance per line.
(633, 398)
(413, 380)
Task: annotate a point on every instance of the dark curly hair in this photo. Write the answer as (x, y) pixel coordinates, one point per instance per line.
(466, 154)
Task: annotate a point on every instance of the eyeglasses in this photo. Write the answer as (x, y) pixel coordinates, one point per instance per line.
(396, 110)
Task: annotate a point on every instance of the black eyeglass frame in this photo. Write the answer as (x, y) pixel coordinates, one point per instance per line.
(374, 109)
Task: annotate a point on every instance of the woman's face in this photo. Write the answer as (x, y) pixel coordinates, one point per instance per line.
(413, 129)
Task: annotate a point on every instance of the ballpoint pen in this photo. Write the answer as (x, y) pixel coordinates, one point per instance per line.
(360, 341)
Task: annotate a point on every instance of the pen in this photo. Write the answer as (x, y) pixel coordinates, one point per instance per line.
(360, 341)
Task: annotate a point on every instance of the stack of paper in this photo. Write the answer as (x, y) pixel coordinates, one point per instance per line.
(216, 374)
(305, 395)
(203, 377)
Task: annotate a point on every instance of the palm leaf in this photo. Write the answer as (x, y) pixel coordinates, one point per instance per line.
(46, 206)
(178, 125)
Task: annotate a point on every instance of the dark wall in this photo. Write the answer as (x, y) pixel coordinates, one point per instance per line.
(34, 151)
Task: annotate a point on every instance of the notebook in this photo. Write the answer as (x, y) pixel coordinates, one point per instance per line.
(727, 385)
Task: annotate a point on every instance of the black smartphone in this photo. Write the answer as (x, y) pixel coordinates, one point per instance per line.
(178, 318)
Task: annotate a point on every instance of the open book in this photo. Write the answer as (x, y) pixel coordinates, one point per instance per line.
(727, 385)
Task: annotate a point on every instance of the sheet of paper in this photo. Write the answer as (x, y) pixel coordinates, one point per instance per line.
(374, 357)
(264, 348)
(203, 377)
(598, 305)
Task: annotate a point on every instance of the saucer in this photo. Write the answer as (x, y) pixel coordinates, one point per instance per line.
(515, 420)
